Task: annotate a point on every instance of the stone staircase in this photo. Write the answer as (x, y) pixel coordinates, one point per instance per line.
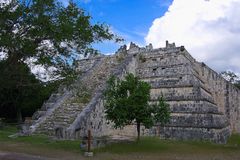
(47, 108)
(60, 111)
(61, 117)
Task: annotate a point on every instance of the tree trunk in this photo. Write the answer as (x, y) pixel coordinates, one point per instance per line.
(19, 115)
(138, 130)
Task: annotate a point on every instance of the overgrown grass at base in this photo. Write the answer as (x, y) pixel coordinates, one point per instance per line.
(156, 145)
(145, 145)
(38, 140)
(234, 140)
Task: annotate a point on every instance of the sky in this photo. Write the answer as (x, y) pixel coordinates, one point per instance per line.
(209, 29)
(130, 19)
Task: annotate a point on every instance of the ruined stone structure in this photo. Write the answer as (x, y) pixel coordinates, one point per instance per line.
(203, 105)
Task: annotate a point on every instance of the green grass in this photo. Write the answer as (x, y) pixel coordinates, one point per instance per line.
(145, 145)
(234, 140)
(41, 141)
(156, 145)
(6, 131)
(44, 141)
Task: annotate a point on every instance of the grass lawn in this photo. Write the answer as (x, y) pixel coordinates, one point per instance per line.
(148, 148)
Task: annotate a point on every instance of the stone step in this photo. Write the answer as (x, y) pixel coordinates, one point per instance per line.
(54, 97)
(182, 98)
(46, 106)
(190, 133)
(155, 60)
(75, 104)
(156, 63)
(196, 110)
(191, 106)
(72, 108)
(66, 121)
(67, 113)
(63, 123)
(38, 114)
(181, 92)
(164, 71)
(66, 110)
(197, 120)
(62, 118)
(171, 84)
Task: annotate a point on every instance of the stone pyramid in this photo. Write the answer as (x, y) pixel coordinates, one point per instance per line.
(203, 105)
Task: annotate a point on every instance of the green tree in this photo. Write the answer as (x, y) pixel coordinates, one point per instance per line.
(231, 77)
(25, 97)
(11, 94)
(237, 84)
(48, 33)
(127, 102)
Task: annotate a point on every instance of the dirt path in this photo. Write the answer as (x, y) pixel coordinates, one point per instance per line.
(22, 151)
(21, 156)
(110, 156)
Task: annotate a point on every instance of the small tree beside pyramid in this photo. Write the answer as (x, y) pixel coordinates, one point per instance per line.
(127, 102)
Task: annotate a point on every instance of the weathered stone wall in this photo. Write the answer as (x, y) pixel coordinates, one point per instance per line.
(233, 98)
(225, 95)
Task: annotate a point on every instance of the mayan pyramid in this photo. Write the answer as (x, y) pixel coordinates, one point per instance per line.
(203, 105)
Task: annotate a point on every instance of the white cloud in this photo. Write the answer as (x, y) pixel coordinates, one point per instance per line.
(41, 72)
(209, 29)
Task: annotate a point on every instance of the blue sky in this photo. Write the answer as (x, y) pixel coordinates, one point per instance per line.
(130, 19)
